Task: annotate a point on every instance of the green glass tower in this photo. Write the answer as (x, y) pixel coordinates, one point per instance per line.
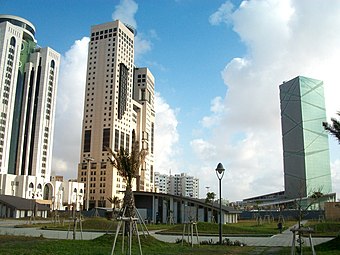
(305, 143)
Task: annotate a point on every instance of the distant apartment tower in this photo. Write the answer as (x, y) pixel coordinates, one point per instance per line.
(178, 184)
(184, 185)
(305, 143)
(118, 109)
(162, 183)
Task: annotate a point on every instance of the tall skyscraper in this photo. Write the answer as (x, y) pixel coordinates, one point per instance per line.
(118, 109)
(305, 143)
(28, 77)
(28, 87)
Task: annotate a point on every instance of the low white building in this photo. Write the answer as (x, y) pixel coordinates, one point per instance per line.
(57, 193)
(17, 207)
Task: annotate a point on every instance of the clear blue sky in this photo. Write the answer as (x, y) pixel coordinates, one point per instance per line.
(217, 66)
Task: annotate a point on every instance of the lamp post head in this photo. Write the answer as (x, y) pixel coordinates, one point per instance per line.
(220, 169)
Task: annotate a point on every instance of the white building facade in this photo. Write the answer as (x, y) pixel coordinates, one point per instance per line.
(28, 81)
(178, 184)
(162, 183)
(28, 90)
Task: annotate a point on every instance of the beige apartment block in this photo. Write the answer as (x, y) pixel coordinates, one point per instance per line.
(112, 116)
(144, 97)
(332, 210)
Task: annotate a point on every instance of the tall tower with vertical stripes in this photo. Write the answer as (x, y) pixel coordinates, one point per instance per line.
(28, 87)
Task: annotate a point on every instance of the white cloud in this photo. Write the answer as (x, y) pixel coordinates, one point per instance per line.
(125, 11)
(166, 136)
(222, 14)
(218, 109)
(70, 103)
(335, 168)
(205, 149)
(142, 45)
(284, 39)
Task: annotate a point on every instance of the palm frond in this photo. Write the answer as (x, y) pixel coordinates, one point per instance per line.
(128, 164)
(333, 128)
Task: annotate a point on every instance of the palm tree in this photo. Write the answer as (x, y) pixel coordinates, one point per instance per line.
(210, 198)
(115, 201)
(128, 165)
(333, 128)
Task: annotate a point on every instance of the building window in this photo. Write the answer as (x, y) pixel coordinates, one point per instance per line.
(122, 94)
(116, 139)
(87, 141)
(127, 143)
(106, 138)
(122, 136)
(152, 136)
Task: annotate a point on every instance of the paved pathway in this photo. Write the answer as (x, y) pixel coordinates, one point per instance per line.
(7, 228)
(284, 239)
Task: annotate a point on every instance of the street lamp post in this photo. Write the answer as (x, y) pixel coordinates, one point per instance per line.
(220, 172)
(88, 159)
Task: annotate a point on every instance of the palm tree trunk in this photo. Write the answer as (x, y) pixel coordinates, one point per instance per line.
(129, 203)
(128, 207)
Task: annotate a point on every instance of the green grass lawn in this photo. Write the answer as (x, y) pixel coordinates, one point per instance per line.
(90, 224)
(240, 228)
(103, 245)
(150, 246)
(327, 228)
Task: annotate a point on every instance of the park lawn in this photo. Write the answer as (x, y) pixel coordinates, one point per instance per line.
(30, 245)
(240, 228)
(89, 224)
(103, 245)
(327, 228)
(95, 223)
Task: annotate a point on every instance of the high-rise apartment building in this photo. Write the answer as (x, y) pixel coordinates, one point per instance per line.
(118, 109)
(28, 89)
(184, 185)
(178, 184)
(162, 183)
(305, 142)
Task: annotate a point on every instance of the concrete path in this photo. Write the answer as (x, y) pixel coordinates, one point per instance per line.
(7, 228)
(284, 239)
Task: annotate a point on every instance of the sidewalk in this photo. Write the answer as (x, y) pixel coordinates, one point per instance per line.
(7, 228)
(284, 239)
